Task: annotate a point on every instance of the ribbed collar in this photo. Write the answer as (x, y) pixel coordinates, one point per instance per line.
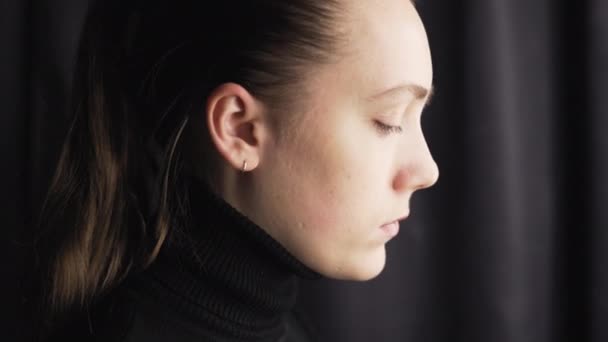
(233, 278)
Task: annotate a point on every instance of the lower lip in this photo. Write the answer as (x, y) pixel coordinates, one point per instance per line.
(391, 229)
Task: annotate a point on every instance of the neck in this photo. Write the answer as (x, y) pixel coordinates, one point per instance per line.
(226, 272)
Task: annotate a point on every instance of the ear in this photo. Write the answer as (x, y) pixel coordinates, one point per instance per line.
(236, 125)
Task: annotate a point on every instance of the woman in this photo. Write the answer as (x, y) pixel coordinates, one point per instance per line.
(222, 149)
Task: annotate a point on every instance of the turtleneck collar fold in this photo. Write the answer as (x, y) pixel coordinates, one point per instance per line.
(230, 277)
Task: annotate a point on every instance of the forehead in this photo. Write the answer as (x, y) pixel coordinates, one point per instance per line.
(388, 46)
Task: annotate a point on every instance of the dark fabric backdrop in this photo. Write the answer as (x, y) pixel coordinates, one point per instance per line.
(511, 245)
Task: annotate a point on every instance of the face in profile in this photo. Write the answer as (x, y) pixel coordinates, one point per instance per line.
(357, 154)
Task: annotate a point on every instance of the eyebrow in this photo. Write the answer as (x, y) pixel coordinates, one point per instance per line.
(419, 92)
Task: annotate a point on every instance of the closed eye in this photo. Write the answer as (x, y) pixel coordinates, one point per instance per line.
(385, 129)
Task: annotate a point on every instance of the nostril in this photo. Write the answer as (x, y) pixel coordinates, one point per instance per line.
(401, 180)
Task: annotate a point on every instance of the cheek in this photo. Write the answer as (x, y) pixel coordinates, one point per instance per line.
(329, 190)
(337, 180)
(319, 185)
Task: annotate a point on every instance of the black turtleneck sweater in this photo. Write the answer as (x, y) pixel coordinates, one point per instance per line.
(227, 281)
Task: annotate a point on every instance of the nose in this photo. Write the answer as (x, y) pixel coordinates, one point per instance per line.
(418, 169)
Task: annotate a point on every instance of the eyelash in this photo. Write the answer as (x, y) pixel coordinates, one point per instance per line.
(387, 129)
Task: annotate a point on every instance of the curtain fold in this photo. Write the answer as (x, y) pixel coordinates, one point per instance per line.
(597, 51)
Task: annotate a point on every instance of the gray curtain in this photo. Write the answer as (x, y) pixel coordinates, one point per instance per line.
(512, 242)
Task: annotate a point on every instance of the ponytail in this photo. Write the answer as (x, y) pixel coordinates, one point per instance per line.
(94, 228)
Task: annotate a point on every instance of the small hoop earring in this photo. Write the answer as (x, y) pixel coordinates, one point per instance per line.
(245, 165)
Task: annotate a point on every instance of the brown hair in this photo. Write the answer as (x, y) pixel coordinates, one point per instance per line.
(142, 69)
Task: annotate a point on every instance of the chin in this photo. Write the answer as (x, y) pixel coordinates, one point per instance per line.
(362, 268)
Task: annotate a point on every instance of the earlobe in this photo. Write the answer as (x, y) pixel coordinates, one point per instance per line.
(234, 118)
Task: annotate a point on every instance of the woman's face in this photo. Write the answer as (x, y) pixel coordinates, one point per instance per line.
(325, 192)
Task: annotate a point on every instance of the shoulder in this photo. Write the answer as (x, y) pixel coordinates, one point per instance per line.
(109, 320)
(121, 317)
(151, 324)
(126, 316)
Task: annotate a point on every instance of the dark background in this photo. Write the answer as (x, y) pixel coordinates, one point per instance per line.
(510, 245)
